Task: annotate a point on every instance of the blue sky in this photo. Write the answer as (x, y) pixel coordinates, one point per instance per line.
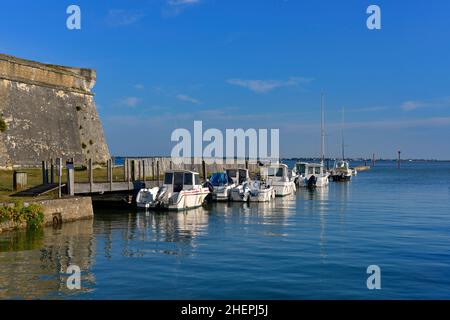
(161, 64)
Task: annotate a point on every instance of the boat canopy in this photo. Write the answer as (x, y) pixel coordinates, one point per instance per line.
(280, 170)
(314, 168)
(220, 179)
(300, 167)
(181, 178)
(341, 164)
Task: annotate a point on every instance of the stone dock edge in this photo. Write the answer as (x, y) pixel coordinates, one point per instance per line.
(58, 211)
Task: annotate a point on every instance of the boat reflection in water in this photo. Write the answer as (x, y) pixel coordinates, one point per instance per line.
(150, 232)
(34, 262)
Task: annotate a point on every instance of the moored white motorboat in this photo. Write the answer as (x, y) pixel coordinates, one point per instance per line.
(181, 190)
(253, 191)
(146, 196)
(314, 175)
(298, 172)
(277, 176)
(221, 185)
(341, 171)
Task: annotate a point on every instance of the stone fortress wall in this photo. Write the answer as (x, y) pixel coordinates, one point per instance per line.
(49, 112)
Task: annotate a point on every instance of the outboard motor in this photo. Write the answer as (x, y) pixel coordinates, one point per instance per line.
(208, 185)
(312, 182)
(161, 193)
(246, 192)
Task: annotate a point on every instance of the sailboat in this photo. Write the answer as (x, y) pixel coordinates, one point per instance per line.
(314, 174)
(341, 170)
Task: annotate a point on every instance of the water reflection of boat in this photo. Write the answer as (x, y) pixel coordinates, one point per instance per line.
(173, 226)
(315, 194)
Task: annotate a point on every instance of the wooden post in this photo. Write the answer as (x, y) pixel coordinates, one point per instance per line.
(132, 170)
(205, 174)
(246, 164)
(109, 167)
(44, 172)
(143, 170)
(399, 159)
(128, 164)
(19, 180)
(153, 169)
(139, 166)
(70, 178)
(59, 175)
(90, 175)
(157, 170)
(52, 171)
(125, 170)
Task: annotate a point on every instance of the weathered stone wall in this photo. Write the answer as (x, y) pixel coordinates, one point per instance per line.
(59, 211)
(50, 112)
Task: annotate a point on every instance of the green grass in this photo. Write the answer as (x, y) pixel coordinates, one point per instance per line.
(34, 178)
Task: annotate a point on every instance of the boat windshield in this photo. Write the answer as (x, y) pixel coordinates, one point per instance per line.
(232, 173)
(342, 164)
(220, 179)
(301, 167)
(275, 172)
(168, 178)
(314, 169)
(197, 179)
(242, 176)
(188, 178)
(178, 181)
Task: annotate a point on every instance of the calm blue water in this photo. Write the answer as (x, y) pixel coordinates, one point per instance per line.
(313, 245)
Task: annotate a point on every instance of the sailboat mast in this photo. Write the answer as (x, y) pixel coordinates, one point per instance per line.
(342, 134)
(322, 133)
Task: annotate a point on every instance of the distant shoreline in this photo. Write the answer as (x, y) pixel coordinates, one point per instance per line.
(313, 159)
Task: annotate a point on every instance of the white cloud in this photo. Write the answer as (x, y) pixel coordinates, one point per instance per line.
(129, 102)
(263, 86)
(367, 109)
(434, 103)
(175, 7)
(182, 2)
(119, 17)
(186, 98)
(139, 86)
(411, 105)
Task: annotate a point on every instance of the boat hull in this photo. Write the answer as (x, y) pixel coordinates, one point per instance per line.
(221, 195)
(260, 195)
(284, 189)
(319, 182)
(341, 177)
(183, 200)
